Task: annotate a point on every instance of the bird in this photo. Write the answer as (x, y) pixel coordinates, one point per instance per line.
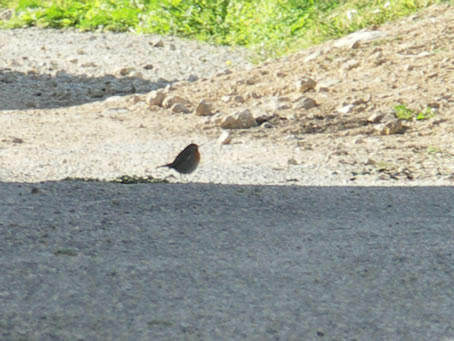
(187, 161)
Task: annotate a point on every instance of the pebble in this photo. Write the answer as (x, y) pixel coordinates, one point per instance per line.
(204, 108)
(305, 84)
(242, 119)
(170, 101)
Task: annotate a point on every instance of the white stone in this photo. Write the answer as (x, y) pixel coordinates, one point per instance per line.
(168, 102)
(225, 137)
(155, 98)
(240, 120)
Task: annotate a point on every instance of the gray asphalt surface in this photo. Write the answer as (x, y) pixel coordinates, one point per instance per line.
(104, 261)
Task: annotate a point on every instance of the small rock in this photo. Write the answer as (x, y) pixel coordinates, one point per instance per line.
(179, 108)
(158, 43)
(204, 108)
(90, 64)
(17, 140)
(137, 75)
(238, 99)
(226, 99)
(155, 98)
(346, 109)
(168, 102)
(253, 94)
(305, 103)
(437, 121)
(390, 128)
(240, 120)
(125, 71)
(149, 67)
(376, 117)
(261, 116)
(193, 78)
(225, 137)
(251, 81)
(267, 125)
(305, 84)
(292, 162)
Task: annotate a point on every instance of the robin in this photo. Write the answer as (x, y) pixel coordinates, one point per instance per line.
(187, 161)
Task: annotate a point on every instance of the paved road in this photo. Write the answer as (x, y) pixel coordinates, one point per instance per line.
(102, 261)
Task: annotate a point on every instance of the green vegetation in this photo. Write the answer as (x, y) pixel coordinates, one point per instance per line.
(404, 113)
(273, 27)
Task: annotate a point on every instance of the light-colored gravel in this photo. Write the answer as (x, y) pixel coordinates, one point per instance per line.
(74, 105)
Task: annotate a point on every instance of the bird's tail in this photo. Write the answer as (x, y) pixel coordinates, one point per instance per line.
(166, 165)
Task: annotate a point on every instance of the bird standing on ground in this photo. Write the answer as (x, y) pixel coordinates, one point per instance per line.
(187, 161)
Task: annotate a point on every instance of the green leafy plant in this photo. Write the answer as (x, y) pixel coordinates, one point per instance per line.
(425, 114)
(404, 113)
(272, 28)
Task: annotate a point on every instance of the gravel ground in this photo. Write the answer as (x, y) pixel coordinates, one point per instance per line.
(75, 105)
(103, 261)
(54, 68)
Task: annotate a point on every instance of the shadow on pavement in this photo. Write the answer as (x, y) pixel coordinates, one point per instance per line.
(101, 261)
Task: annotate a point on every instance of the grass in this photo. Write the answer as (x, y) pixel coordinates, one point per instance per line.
(271, 27)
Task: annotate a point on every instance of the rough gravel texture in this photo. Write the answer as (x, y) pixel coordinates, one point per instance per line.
(95, 261)
(53, 68)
